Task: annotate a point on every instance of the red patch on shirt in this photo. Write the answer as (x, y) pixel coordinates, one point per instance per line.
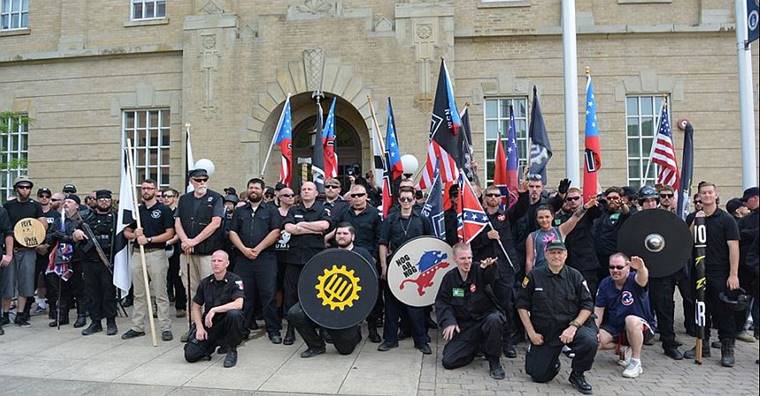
(473, 288)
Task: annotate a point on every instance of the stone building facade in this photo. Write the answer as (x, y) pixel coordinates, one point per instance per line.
(89, 75)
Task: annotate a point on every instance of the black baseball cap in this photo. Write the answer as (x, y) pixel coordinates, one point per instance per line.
(69, 189)
(749, 193)
(556, 245)
(44, 190)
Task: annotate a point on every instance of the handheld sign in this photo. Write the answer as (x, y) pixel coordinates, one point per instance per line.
(29, 232)
(417, 268)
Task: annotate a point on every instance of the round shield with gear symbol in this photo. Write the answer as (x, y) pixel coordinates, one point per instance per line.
(337, 288)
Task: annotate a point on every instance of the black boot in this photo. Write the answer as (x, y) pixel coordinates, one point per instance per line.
(373, 336)
(290, 335)
(692, 353)
(578, 380)
(81, 321)
(93, 328)
(61, 318)
(727, 352)
(111, 328)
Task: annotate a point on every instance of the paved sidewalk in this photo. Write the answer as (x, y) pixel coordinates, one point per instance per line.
(40, 359)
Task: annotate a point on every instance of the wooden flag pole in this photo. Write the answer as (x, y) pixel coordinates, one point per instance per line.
(142, 248)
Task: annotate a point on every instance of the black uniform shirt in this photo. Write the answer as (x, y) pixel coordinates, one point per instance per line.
(367, 224)
(397, 230)
(20, 210)
(213, 293)
(303, 247)
(252, 227)
(580, 241)
(5, 228)
(154, 221)
(461, 301)
(553, 300)
(721, 228)
(484, 247)
(607, 230)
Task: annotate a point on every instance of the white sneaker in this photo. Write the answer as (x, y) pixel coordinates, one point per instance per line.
(627, 352)
(633, 370)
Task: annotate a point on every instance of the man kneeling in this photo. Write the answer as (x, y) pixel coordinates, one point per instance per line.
(623, 313)
(221, 295)
(467, 314)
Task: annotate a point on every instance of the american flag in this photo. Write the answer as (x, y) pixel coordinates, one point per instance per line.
(448, 166)
(663, 152)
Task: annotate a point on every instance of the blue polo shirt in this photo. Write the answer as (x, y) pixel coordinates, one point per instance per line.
(632, 299)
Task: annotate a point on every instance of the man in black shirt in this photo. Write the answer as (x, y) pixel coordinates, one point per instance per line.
(6, 244)
(21, 270)
(721, 271)
(306, 223)
(157, 228)
(344, 340)
(580, 241)
(221, 324)
(555, 306)
(254, 229)
(400, 227)
(466, 311)
(608, 226)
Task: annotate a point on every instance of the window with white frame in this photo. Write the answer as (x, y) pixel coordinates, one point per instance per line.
(148, 9)
(642, 114)
(14, 146)
(14, 14)
(149, 131)
(497, 121)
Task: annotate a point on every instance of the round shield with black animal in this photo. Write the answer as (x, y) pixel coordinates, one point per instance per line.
(416, 270)
(29, 232)
(337, 288)
(661, 238)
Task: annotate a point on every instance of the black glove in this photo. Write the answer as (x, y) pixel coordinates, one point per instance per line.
(564, 184)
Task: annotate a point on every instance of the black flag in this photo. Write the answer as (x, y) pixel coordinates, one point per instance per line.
(317, 155)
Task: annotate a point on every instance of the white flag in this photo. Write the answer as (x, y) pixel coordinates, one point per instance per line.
(190, 161)
(122, 270)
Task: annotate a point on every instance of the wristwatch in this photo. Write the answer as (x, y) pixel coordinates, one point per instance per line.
(576, 324)
(150, 240)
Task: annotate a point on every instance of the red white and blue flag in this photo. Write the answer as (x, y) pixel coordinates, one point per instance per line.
(328, 141)
(393, 167)
(284, 141)
(471, 218)
(663, 152)
(593, 156)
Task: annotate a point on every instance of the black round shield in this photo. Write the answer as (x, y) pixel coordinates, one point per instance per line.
(661, 238)
(337, 288)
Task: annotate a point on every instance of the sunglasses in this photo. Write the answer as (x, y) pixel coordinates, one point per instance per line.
(168, 195)
(200, 180)
(697, 202)
(617, 267)
(56, 200)
(43, 196)
(493, 195)
(23, 187)
(613, 198)
(405, 199)
(287, 195)
(331, 186)
(357, 195)
(568, 199)
(666, 195)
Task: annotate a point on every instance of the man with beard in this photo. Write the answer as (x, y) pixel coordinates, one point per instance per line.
(489, 244)
(198, 222)
(608, 226)
(19, 275)
(98, 276)
(365, 220)
(157, 228)
(344, 340)
(306, 222)
(64, 277)
(254, 229)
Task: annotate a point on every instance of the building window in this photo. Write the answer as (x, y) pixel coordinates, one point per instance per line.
(148, 9)
(642, 114)
(497, 120)
(14, 14)
(149, 131)
(14, 145)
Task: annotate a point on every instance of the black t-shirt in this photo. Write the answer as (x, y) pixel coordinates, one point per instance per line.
(580, 241)
(213, 293)
(155, 221)
(20, 210)
(303, 247)
(5, 228)
(721, 228)
(367, 224)
(397, 230)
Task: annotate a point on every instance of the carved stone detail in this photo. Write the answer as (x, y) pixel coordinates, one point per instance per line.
(313, 9)
(314, 66)
(211, 8)
(209, 62)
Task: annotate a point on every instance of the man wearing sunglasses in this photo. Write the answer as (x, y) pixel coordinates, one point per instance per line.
(667, 198)
(198, 222)
(615, 213)
(18, 275)
(622, 311)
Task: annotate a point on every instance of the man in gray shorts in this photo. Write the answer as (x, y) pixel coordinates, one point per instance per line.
(19, 275)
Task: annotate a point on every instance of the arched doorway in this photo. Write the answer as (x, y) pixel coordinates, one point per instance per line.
(348, 147)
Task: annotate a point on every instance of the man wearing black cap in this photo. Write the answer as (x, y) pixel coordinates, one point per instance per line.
(21, 270)
(555, 306)
(98, 275)
(198, 222)
(751, 198)
(69, 189)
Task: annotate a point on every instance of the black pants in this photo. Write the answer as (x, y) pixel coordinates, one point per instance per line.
(717, 311)
(174, 285)
(260, 281)
(71, 292)
(344, 340)
(484, 334)
(227, 330)
(542, 361)
(504, 294)
(416, 315)
(101, 294)
(683, 283)
(290, 285)
(661, 292)
(592, 281)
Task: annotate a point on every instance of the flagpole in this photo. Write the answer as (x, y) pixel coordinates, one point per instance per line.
(570, 76)
(651, 150)
(133, 187)
(274, 137)
(377, 126)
